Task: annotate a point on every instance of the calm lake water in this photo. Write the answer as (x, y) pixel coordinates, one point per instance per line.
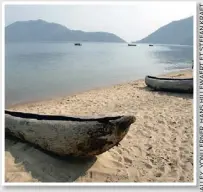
(37, 71)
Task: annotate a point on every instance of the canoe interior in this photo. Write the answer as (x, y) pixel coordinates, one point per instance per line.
(168, 78)
(57, 117)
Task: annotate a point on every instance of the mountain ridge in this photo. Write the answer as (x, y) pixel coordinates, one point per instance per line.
(175, 32)
(41, 30)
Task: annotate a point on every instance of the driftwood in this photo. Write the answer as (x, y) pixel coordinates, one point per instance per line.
(65, 135)
(170, 84)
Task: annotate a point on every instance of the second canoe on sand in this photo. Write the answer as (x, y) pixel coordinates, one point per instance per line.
(65, 135)
(170, 84)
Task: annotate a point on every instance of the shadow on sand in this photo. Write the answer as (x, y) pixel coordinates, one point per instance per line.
(174, 94)
(45, 166)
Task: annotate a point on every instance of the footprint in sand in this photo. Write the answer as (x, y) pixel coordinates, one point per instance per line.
(164, 134)
(119, 151)
(137, 151)
(158, 174)
(116, 155)
(129, 136)
(148, 147)
(148, 166)
(127, 160)
(117, 164)
(125, 149)
(182, 178)
(173, 174)
(147, 117)
(161, 122)
(164, 140)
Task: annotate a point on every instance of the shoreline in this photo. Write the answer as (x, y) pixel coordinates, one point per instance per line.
(91, 89)
(157, 148)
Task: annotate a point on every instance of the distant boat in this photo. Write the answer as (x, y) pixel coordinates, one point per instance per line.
(132, 44)
(78, 44)
(151, 45)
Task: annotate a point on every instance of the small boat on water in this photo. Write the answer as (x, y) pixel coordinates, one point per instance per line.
(151, 45)
(78, 44)
(170, 84)
(64, 135)
(132, 44)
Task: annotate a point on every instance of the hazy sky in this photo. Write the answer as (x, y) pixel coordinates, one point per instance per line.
(130, 22)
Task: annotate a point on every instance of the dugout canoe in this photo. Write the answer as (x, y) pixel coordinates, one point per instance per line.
(64, 135)
(170, 84)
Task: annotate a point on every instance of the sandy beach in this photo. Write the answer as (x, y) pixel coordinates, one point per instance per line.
(157, 148)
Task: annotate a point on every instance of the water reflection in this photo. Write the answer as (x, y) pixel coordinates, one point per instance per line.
(174, 57)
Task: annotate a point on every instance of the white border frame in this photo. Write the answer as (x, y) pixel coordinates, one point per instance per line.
(155, 184)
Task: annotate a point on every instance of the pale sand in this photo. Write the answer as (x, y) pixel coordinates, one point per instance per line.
(158, 147)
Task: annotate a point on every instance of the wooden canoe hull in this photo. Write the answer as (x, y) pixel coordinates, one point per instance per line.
(65, 135)
(170, 84)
